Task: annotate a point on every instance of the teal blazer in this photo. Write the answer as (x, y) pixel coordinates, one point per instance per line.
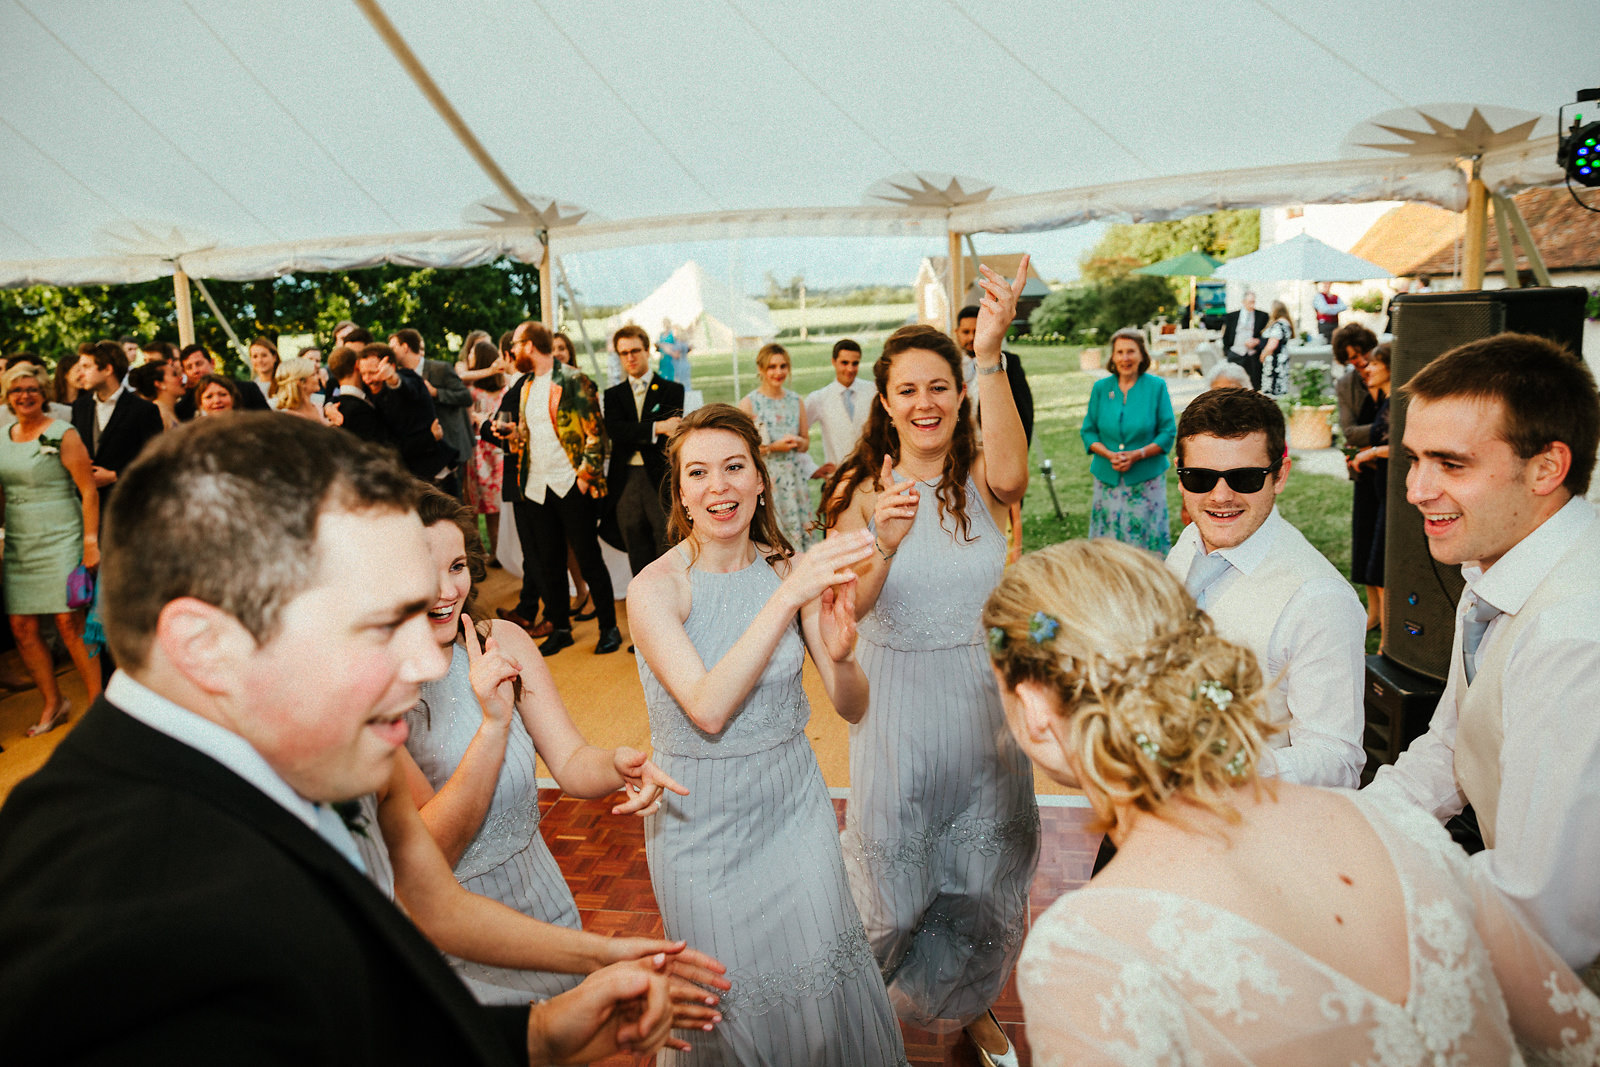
(1124, 425)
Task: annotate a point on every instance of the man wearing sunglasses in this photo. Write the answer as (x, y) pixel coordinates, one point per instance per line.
(1266, 587)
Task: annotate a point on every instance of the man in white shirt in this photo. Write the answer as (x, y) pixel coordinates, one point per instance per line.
(1267, 588)
(265, 676)
(1501, 435)
(841, 407)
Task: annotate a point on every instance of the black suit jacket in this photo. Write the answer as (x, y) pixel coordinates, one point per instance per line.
(1230, 327)
(363, 420)
(132, 425)
(408, 412)
(157, 908)
(630, 433)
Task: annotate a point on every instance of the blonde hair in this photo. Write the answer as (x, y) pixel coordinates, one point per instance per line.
(291, 381)
(770, 350)
(1158, 707)
(26, 369)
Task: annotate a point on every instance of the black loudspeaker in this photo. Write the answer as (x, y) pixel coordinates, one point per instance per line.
(1399, 707)
(1420, 595)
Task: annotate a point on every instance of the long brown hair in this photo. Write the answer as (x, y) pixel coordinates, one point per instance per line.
(433, 507)
(879, 438)
(764, 525)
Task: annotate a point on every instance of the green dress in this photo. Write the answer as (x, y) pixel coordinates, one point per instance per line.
(44, 522)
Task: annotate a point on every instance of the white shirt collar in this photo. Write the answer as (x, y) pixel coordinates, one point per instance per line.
(352, 390)
(1255, 549)
(1511, 581)
(122, 387)
(204, 736)
(640, 382)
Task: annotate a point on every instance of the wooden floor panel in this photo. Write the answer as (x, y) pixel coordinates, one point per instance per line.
(602, 856)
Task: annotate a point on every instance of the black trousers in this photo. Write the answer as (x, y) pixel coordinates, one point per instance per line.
(1251, 364)
(640, 518)
(546, 529)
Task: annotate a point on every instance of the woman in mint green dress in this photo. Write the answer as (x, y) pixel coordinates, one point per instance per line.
(50, 501)
(1129, 429)
(780, 415)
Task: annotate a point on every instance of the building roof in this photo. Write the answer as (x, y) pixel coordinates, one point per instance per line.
(1004, 264)
(1422, 239)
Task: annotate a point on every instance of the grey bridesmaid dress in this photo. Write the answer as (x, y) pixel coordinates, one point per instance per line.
(941, 834)
(747, 866)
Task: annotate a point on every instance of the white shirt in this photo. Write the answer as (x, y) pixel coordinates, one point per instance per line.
(840, 429)
(1328, 305)
(640, 387)
(227, 748)
(548, 465)
(1245, 330)
(104, 408)
(1547, 827)
(1317, 652)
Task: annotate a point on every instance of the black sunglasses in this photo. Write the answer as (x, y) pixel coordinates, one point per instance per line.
(1239, 479)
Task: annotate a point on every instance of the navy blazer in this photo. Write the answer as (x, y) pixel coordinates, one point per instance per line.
(157, 908)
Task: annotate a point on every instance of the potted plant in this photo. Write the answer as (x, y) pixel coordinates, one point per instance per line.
(1311, 406)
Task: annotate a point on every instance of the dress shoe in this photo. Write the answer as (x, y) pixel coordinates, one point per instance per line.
(543, 629)
(535, 630)
(557, 640)
(51, 723)
(610, 641)
(1008, 1058)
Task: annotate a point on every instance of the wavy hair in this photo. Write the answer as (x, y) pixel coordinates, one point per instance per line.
(879, 438)
(763, 524)
(1158, 707)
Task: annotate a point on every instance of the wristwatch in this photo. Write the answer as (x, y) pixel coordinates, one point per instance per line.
(996, 369)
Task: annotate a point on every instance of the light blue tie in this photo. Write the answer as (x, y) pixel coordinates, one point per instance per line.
(1476, 624)
(1204, 573)
(849, 399)
(331, 828)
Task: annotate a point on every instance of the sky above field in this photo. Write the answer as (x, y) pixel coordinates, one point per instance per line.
(626, 275)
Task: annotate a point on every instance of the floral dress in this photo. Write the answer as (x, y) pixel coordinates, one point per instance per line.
(487, 471)
(791, 500)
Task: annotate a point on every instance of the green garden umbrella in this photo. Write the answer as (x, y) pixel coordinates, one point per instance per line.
(1192, 264)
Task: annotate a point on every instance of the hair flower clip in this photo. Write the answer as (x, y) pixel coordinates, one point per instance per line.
(997, 640)
(1150, 749)
(1042, 627)
(1218, 694)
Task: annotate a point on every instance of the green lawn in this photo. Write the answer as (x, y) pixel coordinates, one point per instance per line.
(1318, 504)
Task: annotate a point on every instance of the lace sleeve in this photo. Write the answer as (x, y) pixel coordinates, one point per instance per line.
(1553, 1015)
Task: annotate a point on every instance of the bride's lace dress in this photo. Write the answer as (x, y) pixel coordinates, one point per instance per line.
(1134, 976)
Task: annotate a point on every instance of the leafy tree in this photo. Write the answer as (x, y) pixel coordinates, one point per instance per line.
(496, 296)
(1067, 311)
(1133, 301)
(1225, 234)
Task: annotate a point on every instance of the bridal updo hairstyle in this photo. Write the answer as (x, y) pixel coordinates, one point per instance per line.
(1139, 673)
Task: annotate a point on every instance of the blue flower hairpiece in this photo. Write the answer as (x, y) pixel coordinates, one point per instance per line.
(1042, 627)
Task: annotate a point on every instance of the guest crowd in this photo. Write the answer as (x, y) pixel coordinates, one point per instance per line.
(308, 792)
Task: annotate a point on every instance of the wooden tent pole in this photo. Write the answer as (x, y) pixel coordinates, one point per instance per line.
(547, 289)
(1477, 239)
(180, 297)
(1508, 253)
(957, 290)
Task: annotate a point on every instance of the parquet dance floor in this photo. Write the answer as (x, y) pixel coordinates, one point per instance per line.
(602, 856)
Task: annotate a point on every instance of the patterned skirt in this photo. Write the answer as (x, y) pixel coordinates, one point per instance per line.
(1133, 514)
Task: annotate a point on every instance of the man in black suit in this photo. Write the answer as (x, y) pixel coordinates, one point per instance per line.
(641, 412)
(406, 407)
(452, 400)
(350, 401)
(196, 363)
(114, 422)
(181, 846)
(1242, 344)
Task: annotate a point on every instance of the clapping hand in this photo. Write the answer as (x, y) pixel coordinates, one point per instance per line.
(996, 311)
(896, 509)
(643, 781)
(829, 564)
(491, 673)
(838, 620)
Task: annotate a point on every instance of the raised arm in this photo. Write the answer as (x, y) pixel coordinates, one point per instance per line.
(893, 509)
(659, 604)
(1005, 446)
(454, 813)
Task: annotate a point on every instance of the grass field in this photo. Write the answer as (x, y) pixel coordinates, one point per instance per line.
(1318, 504)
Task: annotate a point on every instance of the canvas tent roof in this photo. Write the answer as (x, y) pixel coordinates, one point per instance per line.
(241, 138)
(686, 296)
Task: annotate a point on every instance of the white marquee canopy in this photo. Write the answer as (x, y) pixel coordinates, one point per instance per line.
(242, 139)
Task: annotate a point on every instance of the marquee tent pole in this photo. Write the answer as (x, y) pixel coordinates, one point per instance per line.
(957, 290)
(1475, 247)
(180, 297)
(547, 289)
